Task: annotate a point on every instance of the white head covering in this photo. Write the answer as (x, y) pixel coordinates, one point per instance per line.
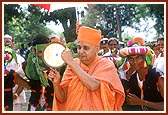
(7, 36)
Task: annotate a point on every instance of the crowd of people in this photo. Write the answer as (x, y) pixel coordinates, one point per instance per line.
(103, 77)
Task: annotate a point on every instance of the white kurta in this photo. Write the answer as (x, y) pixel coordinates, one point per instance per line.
(18, 68)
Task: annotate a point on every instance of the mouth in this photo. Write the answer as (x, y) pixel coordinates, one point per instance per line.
(113, 50)
(81, 56)
(136, 67)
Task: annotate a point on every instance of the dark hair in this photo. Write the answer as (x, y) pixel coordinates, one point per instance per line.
(153, 45)
(113, 39)
(40, 39)
(160, 39)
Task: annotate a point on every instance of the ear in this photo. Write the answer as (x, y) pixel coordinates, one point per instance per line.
(97, 48)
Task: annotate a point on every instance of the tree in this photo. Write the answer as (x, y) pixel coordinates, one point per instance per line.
(67, 17)
(111, 19)
(156, 11)
(24, 24)
(11, 12)
(35, 19)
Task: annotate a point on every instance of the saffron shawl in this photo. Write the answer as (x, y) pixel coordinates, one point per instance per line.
(109, 97)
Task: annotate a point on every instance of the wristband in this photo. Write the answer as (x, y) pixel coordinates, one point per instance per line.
(16, 94)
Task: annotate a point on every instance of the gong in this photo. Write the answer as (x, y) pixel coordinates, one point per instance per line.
(52, 54)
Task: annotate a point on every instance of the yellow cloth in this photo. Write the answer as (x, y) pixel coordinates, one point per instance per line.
(89, 35)
(109, 97)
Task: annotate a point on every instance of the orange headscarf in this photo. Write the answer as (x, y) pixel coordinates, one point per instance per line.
(138, 40)
(89, 35)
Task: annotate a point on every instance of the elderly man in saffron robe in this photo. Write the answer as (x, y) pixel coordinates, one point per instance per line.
(90, 82)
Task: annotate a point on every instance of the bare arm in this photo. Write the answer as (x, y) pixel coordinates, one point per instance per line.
(18, 91)
(90, 82)
(21, 82)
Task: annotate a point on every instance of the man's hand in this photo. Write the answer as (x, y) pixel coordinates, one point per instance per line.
(132, 99)
(54, 76)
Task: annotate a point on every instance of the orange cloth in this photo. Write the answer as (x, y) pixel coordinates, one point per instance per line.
(109, 97)
(139, 40)
(78, 25)
(89, 35)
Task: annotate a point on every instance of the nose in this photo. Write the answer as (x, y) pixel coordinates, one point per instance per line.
(134, 60)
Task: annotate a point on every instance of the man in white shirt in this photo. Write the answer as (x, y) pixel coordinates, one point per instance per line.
(19, 96)
(159, 62)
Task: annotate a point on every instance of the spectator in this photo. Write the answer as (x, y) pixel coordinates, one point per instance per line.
(145, 89)
(56, 38)
(15, 65)
(103, 46)
(113, 55)
(159, 62)
(156, 49)
(37, 71)
(113, 45)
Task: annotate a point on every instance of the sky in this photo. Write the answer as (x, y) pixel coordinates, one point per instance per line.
(55, 28)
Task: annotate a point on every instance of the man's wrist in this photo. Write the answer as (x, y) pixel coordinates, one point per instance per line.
(145, 103)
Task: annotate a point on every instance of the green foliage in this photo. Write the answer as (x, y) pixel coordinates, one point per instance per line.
(104, 17)
(24, 25)
(73, 47)
(156, 11)
(111, 19)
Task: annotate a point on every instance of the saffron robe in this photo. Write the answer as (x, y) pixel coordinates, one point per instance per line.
(108, 97)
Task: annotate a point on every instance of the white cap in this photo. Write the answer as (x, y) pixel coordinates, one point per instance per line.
(7, 36)
(103, 40)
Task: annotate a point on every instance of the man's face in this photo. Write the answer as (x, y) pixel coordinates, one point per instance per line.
(135, 61)
(161, 45)
(40, 54)
(113, 44)
(8, 42)
(55, 39)
(86, 52)
(156, 50)
(104, 45)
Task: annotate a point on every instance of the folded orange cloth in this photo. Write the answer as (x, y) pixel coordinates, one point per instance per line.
(89, 35)
(139, 40)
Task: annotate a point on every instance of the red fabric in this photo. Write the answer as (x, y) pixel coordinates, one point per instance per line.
(45, 6)
(14, 74)
(89, 5)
